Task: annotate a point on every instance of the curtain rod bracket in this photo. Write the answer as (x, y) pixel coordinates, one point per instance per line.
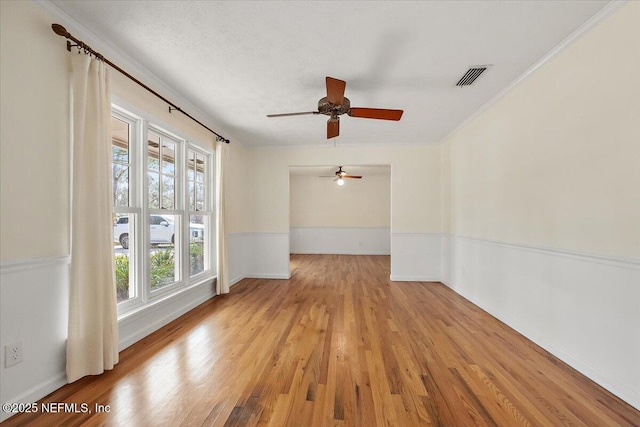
(62, 32)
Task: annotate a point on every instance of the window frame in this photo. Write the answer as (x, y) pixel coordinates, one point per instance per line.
(139, 211)
(210, 254)
(133, 211)
(177, 212)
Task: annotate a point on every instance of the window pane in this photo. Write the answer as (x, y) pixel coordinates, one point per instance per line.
(191, 166)
(120, 140)
(168, 193)
(162, 255)
(153, 162)
(154, 190)
(157, 219)
(120, 185)
(123, 238)
(192, 200)
(197, 237)
(168, 157)
(120, 161)
(199, 197)
(119, 155)
(153, 148)
(200, 168)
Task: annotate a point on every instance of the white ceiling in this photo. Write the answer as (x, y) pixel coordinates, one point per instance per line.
(238, 61)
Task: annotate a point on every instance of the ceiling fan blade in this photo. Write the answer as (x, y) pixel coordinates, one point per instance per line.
(376, 113)
(352, 176)
(333, 128)
(335, 90)
(293, 114)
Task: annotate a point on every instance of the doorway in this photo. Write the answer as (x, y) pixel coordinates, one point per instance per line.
(352, 217)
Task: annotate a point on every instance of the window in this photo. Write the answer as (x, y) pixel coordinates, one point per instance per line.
(123, 131)
(163, 212)
(200, 211)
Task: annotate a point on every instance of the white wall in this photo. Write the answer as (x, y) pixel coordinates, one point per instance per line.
(415, 198)
(543, 195)
(34, 229)
(341, 240)
(351, 219)
(538, 196)
(320, 202)
(34, 131)
(555, 162)
(239, 189)
(34, 184)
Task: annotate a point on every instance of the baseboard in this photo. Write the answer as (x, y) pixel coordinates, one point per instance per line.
(281, 276)
(236, 280)
(632, 397)
(36, 392)
(34, 288)
(545, 294)
(397, 278)
(341, 253)
(258, 255)
(625, 393)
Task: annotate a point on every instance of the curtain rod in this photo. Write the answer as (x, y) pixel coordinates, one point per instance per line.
(61, 31)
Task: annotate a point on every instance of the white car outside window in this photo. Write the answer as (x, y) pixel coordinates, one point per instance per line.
(162, 230)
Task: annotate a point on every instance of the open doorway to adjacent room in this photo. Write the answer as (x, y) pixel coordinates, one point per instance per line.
(333, 217)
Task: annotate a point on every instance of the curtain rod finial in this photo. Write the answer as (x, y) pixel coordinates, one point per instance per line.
(60, 30)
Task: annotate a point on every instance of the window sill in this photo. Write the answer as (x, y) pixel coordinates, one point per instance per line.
(135, 313)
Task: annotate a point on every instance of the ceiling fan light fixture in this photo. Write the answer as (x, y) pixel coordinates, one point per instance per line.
(336, 104)
(340, 182)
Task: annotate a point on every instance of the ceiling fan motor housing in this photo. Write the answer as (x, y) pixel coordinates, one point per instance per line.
(328, 109)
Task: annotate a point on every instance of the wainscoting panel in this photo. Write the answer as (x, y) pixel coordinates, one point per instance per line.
(240, 254)
(341, 240)
(34, 307)
(260, 255)
(584, 309)
(416, 257)
(270, 256)
(34, 310)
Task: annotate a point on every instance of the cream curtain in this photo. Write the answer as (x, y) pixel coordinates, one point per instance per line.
(222, 283)
(92, 345)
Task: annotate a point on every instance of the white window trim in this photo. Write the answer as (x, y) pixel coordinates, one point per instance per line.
(134, 212)
(209, 211)
(140, 211)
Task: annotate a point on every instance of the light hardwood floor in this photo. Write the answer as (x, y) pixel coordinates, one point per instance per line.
(338, 344)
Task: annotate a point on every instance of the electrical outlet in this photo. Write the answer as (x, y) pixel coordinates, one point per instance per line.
(12, 354)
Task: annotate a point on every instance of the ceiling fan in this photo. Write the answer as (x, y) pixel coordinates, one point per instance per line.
(335, 104)
(340, 176)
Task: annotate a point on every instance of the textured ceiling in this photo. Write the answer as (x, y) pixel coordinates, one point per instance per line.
(238, 61)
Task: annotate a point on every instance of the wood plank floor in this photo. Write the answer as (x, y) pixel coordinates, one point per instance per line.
(338, 344)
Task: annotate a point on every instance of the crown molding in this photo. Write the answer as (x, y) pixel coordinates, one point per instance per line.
(606, 11)
(130, 65)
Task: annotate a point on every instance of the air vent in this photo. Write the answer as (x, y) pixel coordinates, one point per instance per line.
(471, 75)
